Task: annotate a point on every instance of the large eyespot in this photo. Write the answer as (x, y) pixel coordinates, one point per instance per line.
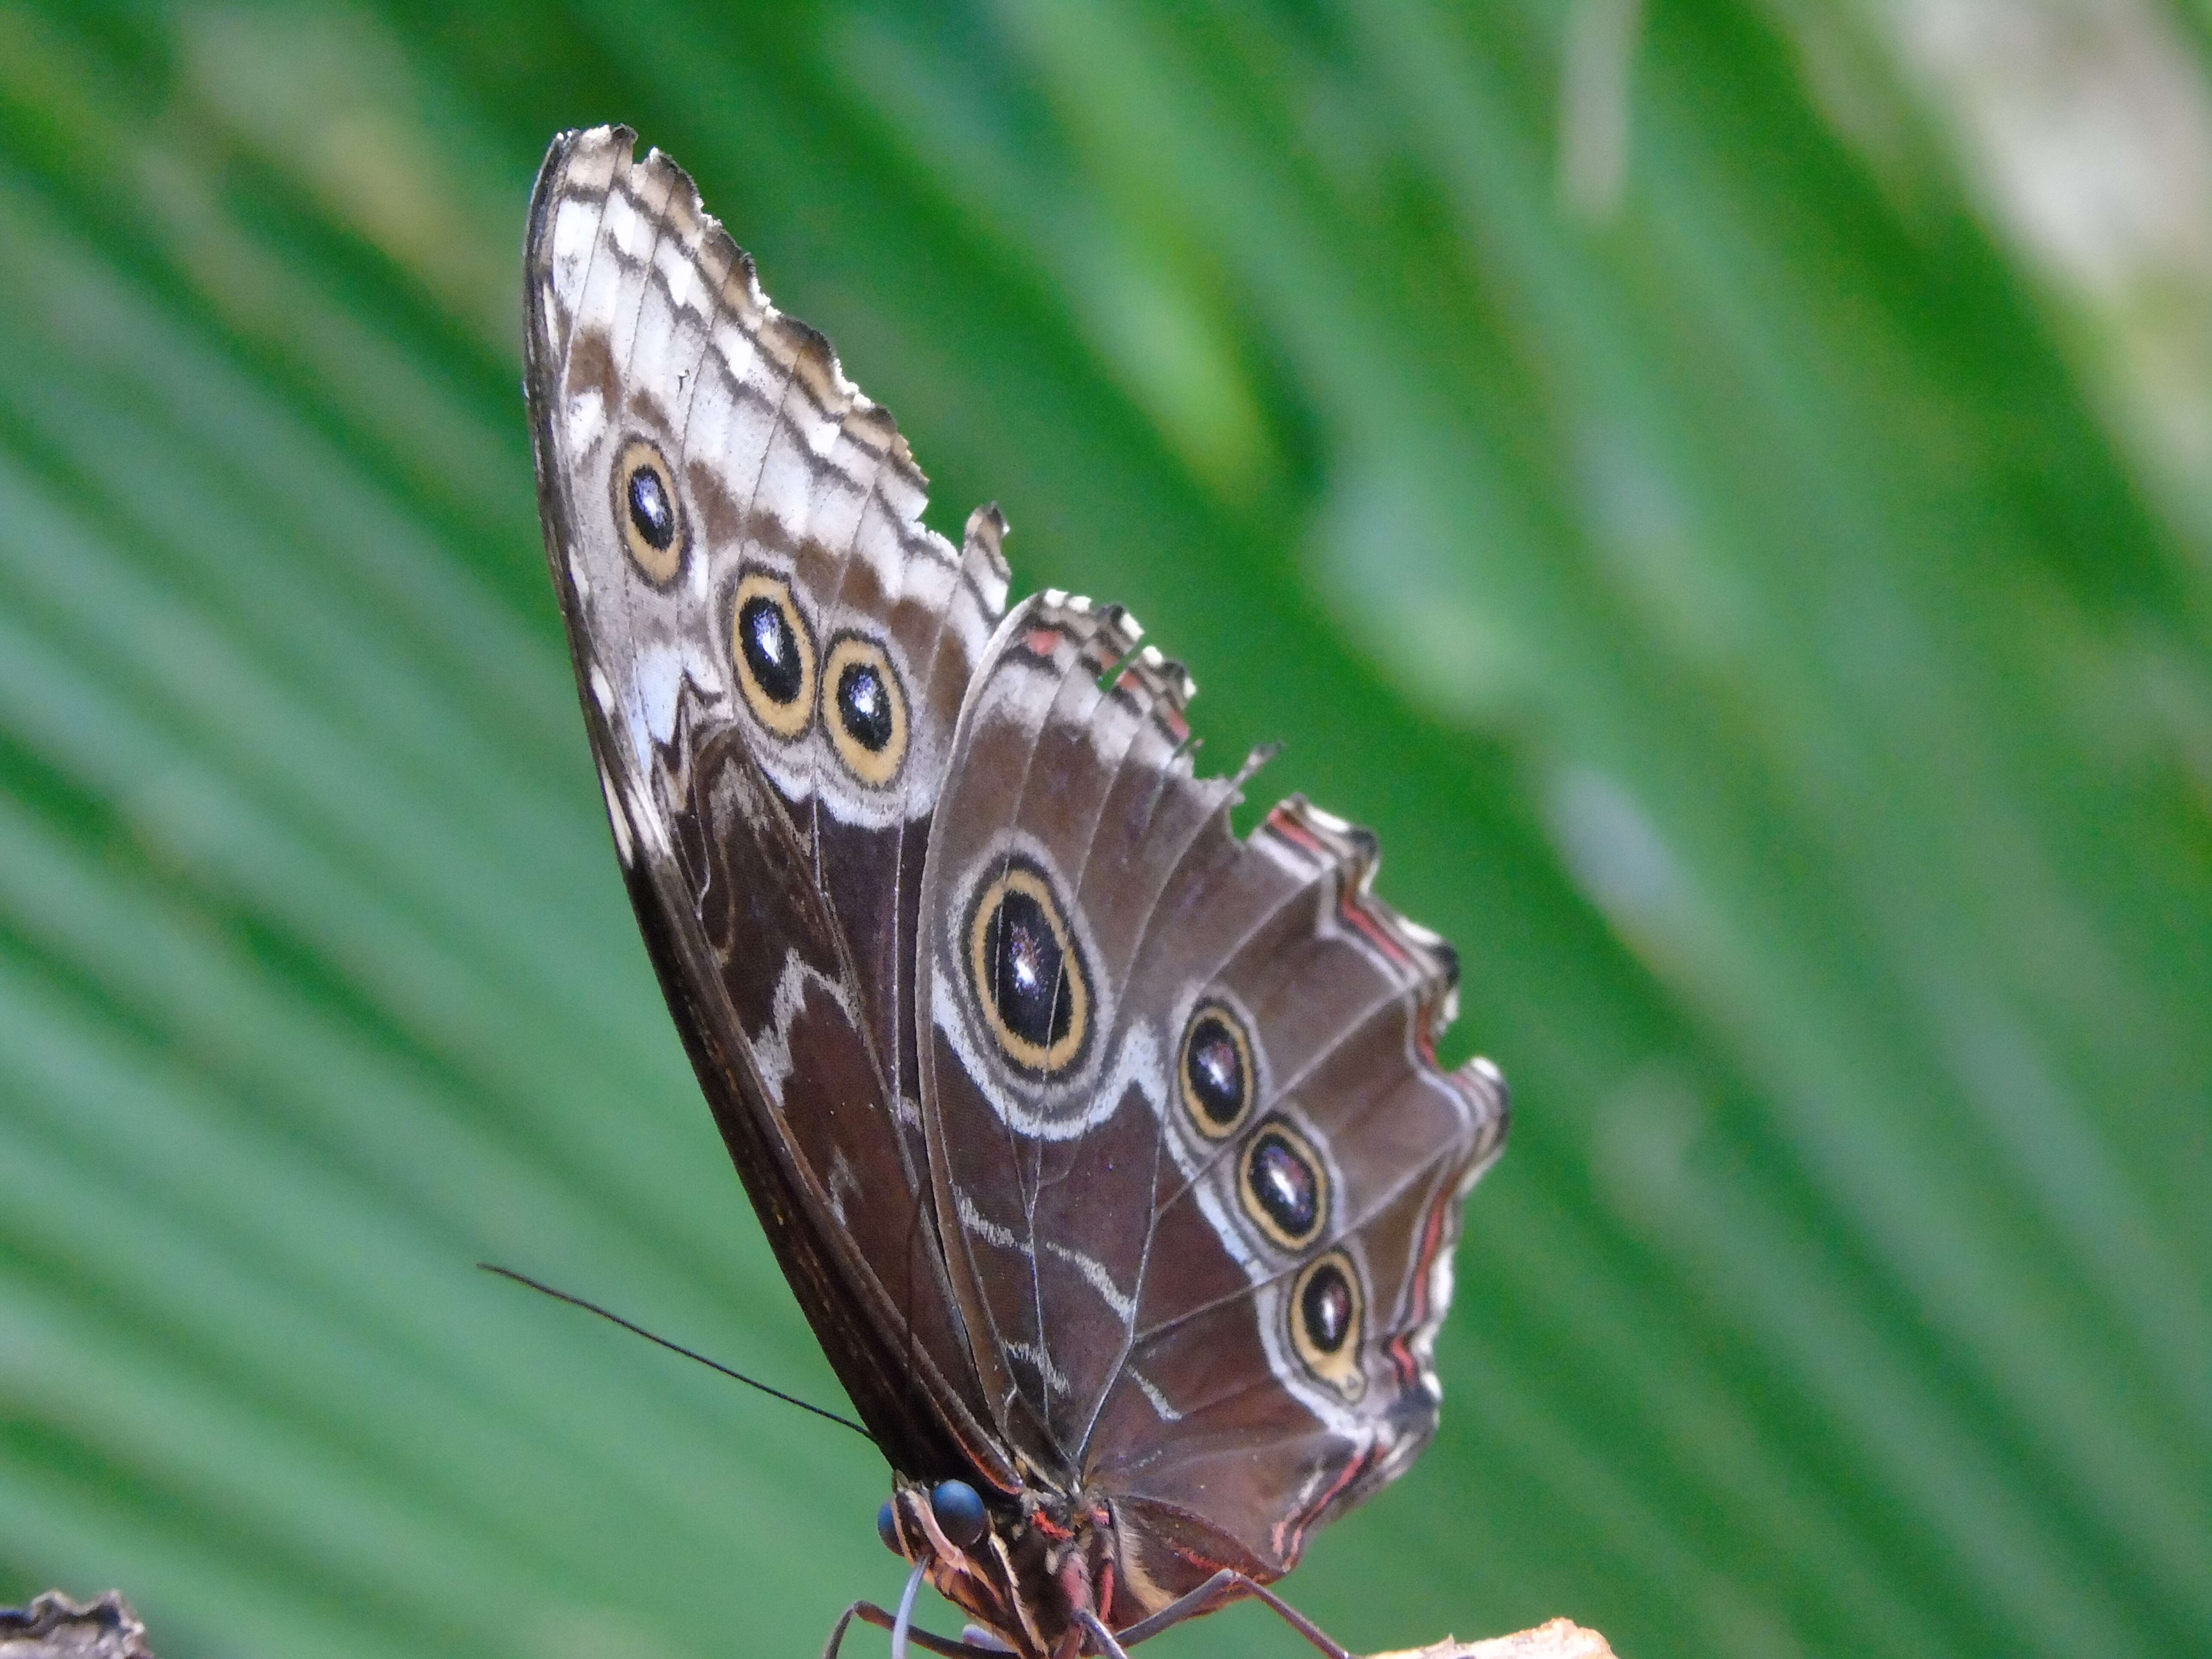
(1027, 971)
(647, 510)
(774, 654)
(1216, 1071)
(1283, 1186)
(867, 710)
(1327, 1311)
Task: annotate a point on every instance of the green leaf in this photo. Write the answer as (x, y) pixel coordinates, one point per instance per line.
(1720, 489)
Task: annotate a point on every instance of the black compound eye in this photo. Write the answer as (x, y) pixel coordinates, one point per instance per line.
(1283, 1186)
(1217, 1070)
(774, 655)
(887, 1528)
(646, 512)
(869, 728)
(958, 1508)
(1027, 972)
(1327, 1307)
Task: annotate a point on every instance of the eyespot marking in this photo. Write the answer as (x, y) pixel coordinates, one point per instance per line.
(649, 512)
(1283, 1186)
(774, 654)
(1026, 971)
(1215, 1071)
(867, 720)
(1328, 1309)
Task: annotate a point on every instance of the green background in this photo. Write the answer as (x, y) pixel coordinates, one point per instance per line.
(1660, 466)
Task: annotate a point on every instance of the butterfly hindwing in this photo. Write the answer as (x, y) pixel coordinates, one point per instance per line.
(1184, 1107)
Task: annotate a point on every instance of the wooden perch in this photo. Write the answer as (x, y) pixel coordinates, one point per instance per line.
(55, 1627)
(1559, 1638)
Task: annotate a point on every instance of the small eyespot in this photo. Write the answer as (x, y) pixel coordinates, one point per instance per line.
(1327, 1311)
(958, 1508)
(647, 511)
(868, 723)
(1216, 1073)
(773, 652)
(1026, 971)
(1283, 1186)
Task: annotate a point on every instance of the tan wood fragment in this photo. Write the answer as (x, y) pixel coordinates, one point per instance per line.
(55, 1627)
(1556, 1639)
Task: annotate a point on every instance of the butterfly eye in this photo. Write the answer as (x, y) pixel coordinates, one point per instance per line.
(1216, 1073)
(1327, 1309)
(958, 1508)
(646, 512)
(887, 1528)
(1027, 972)
(1284, 1186)
(869, 710)
(774, 654)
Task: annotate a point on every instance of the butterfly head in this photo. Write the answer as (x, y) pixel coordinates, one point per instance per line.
(1018, 1566)
(950, 1517)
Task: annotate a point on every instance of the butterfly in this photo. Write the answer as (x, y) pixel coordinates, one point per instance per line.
(1108, 1153)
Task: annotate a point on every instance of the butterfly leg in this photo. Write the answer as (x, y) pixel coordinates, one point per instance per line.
(1103, 1645)
(869, 1614)
(1218, 1591)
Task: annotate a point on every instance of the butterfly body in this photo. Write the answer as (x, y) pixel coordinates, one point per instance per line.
(1106, 1153)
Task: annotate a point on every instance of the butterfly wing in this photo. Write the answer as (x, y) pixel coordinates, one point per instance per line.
(771, 650)
(1200, 1171)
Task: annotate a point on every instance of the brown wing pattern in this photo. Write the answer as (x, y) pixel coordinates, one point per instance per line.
(1045, 1198)
(1109, 1154)
(1199, 1171)
(771, 650)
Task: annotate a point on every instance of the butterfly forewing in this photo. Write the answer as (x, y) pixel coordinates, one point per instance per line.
(724, 513)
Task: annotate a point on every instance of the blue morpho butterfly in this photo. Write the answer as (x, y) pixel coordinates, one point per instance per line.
(1108, 1154)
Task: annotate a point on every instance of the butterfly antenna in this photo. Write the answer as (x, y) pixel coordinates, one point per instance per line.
(673, 1347)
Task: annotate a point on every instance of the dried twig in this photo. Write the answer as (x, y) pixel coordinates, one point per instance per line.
(1559, 1638)
(55, 1627)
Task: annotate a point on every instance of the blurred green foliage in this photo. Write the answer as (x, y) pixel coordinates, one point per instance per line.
(1666, 468)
